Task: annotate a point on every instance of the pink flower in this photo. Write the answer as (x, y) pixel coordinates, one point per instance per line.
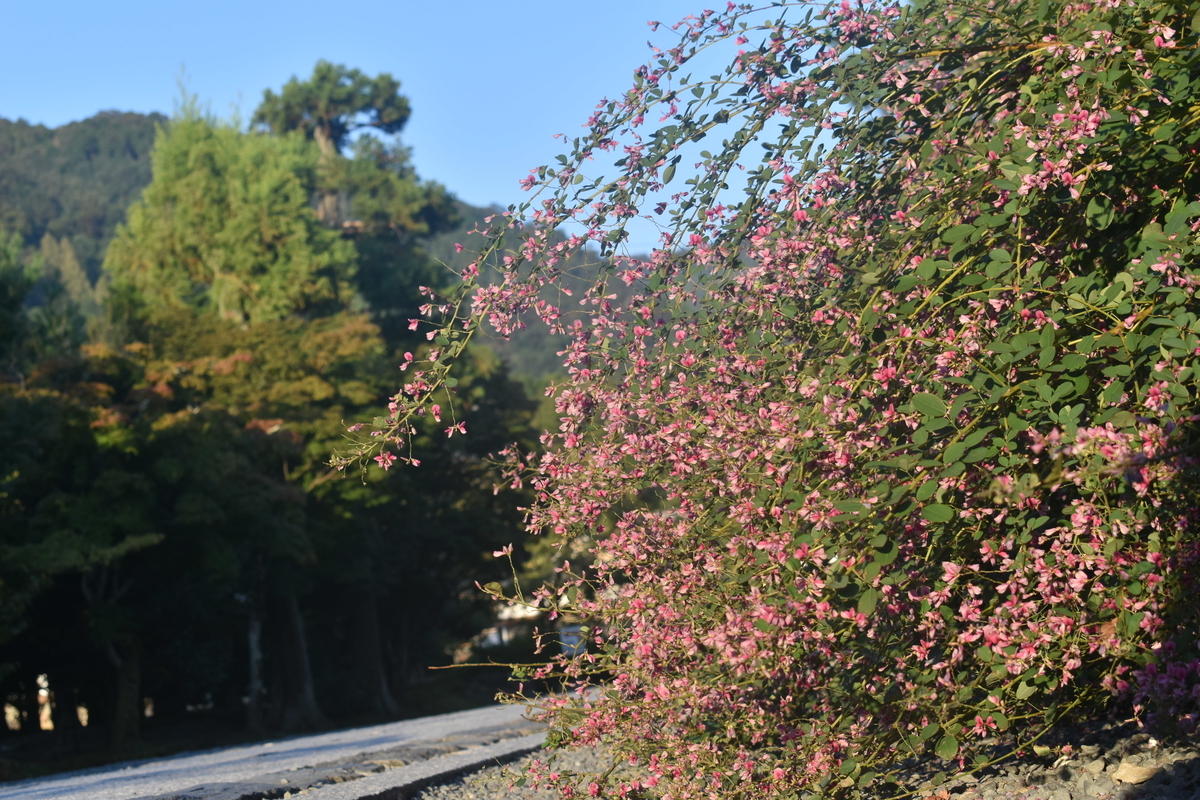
(385, 459)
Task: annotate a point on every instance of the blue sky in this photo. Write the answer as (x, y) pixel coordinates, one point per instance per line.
(490, 83)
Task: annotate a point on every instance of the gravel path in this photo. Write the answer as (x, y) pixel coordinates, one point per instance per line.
(1104, 762)
(491, 783)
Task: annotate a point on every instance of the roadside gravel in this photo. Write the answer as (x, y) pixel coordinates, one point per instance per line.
(1101, 761)
(491, 783)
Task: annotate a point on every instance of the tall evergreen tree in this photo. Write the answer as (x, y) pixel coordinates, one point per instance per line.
(332, 104)
(217, 267)
(226, 225)
(373, 194)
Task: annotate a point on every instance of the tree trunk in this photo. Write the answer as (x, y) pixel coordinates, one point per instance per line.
(294, 702)
(127, 711)
(327, 199)
(368, 655)
(27, 704)
(254, 692)
(66, 718)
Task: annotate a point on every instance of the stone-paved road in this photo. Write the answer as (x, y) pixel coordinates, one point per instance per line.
(378, 759)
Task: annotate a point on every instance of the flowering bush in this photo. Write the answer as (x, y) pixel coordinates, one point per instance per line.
(911, 376)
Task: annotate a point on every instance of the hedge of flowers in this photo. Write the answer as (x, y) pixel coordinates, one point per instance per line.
(889, 447)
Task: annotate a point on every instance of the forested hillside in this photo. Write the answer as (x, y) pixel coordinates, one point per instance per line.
(191, 314)
(76, 181)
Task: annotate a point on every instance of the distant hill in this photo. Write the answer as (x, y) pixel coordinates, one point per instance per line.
(74, 181)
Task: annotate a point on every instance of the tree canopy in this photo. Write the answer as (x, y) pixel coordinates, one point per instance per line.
(333, 103)
(227, 225)
(74, 181)
(166, 507)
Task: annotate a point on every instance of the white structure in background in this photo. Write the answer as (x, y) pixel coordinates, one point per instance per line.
(512, 621)
(515, 622)
(45, 709)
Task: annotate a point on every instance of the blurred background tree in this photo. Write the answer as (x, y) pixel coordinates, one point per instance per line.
(174, 549)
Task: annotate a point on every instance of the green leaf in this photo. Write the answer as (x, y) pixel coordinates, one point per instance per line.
(1130, 623)
(961, 402)
(938, 512)
(1100, 212)
(1073, 361)
(451, 382)
(1153, 232)
(979, 454)
(929, 405)
(668, 173)
(886, 554)
(947, 748)
(1025, 690)
(868, 601)
(958, 233)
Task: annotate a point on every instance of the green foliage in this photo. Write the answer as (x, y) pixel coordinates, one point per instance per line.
(62, 265)
(76, 181)
(248, 308)
(226, 226)
(332, 104)
(16, 279)
(391, 214)
(375, 195)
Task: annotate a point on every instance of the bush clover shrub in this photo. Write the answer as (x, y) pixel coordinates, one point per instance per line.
(911, 378)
